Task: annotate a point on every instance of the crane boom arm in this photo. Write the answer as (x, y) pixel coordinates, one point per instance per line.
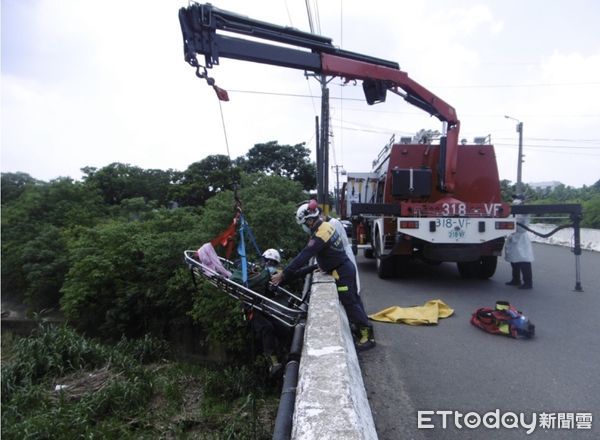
(314, 53)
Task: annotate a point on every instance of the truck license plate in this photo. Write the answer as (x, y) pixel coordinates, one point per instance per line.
(455, 227)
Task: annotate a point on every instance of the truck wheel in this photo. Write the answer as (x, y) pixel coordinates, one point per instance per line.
(467, 269)
(402, 268)
(487, 267)
(483, 268)
(385, 266)
(368, 253)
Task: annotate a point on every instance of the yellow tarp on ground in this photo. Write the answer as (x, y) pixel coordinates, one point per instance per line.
(429, 313)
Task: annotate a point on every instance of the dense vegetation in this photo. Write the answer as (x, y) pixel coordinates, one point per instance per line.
(587, 196)
(57, 384)
(107, 251)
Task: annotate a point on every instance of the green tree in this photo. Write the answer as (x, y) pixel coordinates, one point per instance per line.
(204, 179)
(33, 227)
(44, 266)
(127, 277)
(591, 213)
(117, 182)
(13, 185)
(269, 205)
(291, 161)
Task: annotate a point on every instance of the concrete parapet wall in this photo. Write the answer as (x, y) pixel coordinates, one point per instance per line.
(590, 238)
(331, 402)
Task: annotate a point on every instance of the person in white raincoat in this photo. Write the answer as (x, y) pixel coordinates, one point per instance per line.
(519, 252)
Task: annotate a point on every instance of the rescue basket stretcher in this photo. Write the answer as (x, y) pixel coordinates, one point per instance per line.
(288, 314)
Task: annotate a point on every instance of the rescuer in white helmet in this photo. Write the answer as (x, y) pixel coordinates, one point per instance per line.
(326, 245)
(272, 259)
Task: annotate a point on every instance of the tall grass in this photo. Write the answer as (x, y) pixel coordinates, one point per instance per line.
(57, 384)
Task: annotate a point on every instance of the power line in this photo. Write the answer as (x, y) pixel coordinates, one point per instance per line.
(566, 147)
(501, 86)
(371, 110)
(556, 140)
(287, 9)
(318, 17)
(310, 19)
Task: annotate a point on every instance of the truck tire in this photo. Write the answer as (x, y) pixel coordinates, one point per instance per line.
(385, 265)
(368, 253)
(487, 267)
(467, 269)
(402, 266)
(483, 268)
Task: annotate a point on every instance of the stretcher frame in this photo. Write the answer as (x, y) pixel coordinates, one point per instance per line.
(288, 315)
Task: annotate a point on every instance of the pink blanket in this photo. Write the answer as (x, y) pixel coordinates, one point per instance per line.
(209, 258)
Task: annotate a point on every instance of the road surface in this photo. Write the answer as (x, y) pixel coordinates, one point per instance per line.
(456, 367)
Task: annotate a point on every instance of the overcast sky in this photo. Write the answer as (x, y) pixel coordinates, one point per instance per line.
(91, 83)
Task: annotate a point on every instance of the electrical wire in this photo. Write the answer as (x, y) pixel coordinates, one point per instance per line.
(287, 9)
(501, 86)
(309, 14)
(318, 17)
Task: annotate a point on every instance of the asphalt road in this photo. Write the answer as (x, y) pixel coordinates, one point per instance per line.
(454, 366)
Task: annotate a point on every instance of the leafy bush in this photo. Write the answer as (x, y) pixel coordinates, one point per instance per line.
(128, 277)
(591, 213)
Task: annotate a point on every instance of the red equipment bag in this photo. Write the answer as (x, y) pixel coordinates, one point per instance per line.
(503, 320)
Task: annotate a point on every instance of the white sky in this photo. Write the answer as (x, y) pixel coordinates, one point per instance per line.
(91, 83)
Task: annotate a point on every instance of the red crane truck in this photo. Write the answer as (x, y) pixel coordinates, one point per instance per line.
(399, 213)
(440, 202)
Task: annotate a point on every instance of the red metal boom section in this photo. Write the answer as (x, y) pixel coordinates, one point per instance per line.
(416, 94)
(199, 25)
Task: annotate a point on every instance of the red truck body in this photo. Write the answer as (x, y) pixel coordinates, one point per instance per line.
(398, 212)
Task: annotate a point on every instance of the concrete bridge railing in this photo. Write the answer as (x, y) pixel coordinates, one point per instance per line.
(331, 401)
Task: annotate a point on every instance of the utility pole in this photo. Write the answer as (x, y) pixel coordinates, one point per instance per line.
(337, 186)
(324, 147)
(519, 185)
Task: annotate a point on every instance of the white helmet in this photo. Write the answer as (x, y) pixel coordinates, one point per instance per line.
(306, 211)
(272, 254)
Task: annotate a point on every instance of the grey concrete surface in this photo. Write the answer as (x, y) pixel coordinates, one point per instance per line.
(331, 402)
(455, 366)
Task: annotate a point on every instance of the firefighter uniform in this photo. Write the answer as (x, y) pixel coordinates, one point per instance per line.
(326, 245)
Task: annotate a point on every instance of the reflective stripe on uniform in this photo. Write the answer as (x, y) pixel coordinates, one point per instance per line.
(342, 288)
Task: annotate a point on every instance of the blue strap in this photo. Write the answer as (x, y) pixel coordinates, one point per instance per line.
(241, 249)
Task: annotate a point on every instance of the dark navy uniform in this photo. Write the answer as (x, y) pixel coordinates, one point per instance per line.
(326, 245)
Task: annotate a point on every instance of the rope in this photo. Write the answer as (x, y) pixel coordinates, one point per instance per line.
(225, 132)
(238, 203)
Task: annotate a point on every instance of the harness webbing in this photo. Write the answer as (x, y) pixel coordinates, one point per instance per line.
(241, 249)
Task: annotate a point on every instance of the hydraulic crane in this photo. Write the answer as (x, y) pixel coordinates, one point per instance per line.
(207, 31)
(203, 28)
